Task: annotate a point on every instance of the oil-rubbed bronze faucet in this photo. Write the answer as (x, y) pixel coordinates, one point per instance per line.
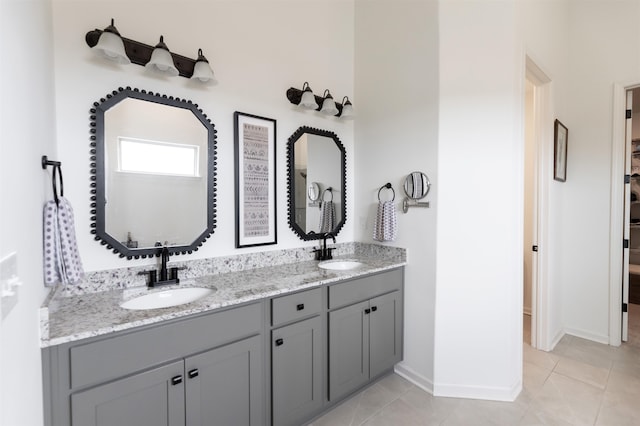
(324, 253)
(167, 276)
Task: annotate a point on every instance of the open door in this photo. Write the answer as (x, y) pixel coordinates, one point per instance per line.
(627, 215)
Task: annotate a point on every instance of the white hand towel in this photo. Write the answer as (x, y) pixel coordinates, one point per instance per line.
(386, 228)
(61, 258)
(327, 216)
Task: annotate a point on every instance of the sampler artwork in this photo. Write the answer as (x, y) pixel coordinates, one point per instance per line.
(255, 180)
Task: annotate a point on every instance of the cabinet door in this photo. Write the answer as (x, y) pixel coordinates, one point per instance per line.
(151, 398)
(296, 372)
(348, 349)
(385, 333)
(224, 386)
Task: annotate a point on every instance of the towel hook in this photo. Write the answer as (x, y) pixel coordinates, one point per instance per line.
(387, 186)
(330, 189)
(57, 175)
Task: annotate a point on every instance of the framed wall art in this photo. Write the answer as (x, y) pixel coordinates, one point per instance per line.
(255, 180)
(560, 142)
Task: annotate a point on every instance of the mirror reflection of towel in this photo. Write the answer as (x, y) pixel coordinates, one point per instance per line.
(62, 262)
(386, 227)
(327, 216)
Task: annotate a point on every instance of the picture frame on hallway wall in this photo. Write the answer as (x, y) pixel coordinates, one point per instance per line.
(255, 180)
(560, 142)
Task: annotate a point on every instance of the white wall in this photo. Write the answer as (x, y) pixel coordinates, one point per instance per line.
(543, 27)
(27, 132)
(258, 49)
(478, 334)
(396, 77)
(604, 40)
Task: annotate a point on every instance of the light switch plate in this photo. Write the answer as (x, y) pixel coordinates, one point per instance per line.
(9, 282)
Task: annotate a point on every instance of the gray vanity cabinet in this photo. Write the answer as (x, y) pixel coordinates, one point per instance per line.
(222, 385)
(296, 358)
(203, 370)
(145, 399)
(365, 337)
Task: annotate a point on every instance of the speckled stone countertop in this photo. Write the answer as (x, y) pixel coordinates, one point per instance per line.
(71, 318)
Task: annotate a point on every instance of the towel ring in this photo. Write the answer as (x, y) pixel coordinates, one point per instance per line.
(387, 186)
(57, 175)
(330, 192)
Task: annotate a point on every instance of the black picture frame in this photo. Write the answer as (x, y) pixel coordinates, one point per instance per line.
(560, 144)
(255, 180)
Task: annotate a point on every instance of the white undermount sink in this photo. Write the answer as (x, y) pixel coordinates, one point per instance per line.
(340, 265)
(167, 298)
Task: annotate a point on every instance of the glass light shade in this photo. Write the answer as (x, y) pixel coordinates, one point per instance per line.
(162, 62)
(308, 100)
(347, 111)
(202, 70)
(329, 106)
(110, 46)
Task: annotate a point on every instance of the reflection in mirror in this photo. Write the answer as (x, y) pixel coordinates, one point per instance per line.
(316, 156)
(416, 185)
(154, 167)
(313, 193)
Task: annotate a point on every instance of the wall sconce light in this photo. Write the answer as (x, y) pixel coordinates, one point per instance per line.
(306, 99)
(107, 43)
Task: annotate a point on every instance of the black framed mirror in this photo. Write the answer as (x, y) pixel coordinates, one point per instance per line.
(153, 174)
(316, 158)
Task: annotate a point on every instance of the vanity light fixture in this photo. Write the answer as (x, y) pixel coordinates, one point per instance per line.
(306, 99)
(109, 44)
(202, 70)
(328, 104)
(161, 60)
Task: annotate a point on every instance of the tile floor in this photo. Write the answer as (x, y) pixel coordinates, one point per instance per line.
(579, 383)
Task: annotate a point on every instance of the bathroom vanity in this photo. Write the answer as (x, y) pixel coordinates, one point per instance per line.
(271, 346)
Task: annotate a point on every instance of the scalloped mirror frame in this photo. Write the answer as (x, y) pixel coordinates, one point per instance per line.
(308, 236)
(97, 186)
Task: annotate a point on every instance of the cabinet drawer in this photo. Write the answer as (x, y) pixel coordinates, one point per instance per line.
(364, 288)
(295, 306)
(123, 354)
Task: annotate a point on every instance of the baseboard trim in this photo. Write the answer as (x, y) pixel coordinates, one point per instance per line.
(508, 394)
(599, 338)
(417, 379)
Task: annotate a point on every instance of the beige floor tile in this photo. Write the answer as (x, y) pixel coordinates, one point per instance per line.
(619, 409)
(596, 376)
(431, 410)
(485, 413)
(342, 415)
(395, 384)
(624, 384)
(546, 360)
(569, 400)
(370, 400)
(534, 377)
(396, 413)
(540, 418)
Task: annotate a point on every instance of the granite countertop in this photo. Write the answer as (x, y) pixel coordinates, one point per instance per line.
(71, 318)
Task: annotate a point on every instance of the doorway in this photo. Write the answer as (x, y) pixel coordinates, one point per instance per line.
(530, 216)
(538, 167)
